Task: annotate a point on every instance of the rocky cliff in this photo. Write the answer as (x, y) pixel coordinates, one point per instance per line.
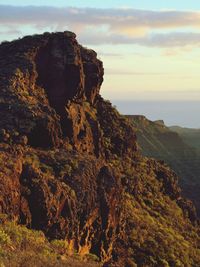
(70, 165)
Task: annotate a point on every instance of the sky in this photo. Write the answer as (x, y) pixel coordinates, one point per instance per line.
(150, 49)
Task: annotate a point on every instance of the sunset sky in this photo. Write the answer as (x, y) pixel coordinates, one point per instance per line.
(150, 49)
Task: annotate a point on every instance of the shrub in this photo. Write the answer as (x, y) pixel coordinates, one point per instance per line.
(60, 246)
(4, 238)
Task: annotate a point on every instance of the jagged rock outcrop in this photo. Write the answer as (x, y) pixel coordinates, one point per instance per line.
(70, 165)
(47, 72)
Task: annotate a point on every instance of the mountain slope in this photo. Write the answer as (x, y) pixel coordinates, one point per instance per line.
(189, 136)
(70, 165)
(160, 142)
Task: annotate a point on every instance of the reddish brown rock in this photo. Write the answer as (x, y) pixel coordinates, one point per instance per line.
(56, 64)
(10, 169)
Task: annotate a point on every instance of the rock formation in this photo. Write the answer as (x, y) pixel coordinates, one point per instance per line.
(70, 165)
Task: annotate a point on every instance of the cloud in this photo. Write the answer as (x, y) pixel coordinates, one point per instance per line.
(115, 18)
(10, 31)
(164, 40)
(108, 26)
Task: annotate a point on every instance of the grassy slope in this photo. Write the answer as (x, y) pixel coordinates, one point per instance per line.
(20, 246)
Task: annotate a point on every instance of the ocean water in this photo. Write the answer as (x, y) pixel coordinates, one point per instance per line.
(182, 113)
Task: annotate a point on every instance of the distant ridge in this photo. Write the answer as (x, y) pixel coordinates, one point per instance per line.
(179, 147)
(189, 135)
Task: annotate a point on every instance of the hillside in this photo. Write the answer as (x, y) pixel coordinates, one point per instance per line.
(189, 136)
(160, 142)
(70, 165)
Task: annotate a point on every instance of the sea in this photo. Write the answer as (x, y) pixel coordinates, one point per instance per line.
(181, 113)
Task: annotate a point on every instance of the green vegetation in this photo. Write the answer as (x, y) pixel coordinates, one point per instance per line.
(153, 239)
(51, 162)
(20, 246)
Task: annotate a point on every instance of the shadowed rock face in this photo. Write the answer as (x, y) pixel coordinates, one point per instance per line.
(70, 166)
(67, 71)
(62, 68)
(60, 72)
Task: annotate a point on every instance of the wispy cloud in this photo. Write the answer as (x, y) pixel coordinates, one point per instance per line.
(115, 18)
(172, 39)
(115, 26)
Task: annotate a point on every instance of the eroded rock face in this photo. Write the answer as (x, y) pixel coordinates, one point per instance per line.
(41, 75)
(11, 167)
(59, 70)
(72, 197)
(93, 71)
(70, 165)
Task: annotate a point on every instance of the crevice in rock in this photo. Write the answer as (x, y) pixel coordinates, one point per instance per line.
(60, 76)
(34, 197)
(40, 137)
(82, 134)
(52, 77)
